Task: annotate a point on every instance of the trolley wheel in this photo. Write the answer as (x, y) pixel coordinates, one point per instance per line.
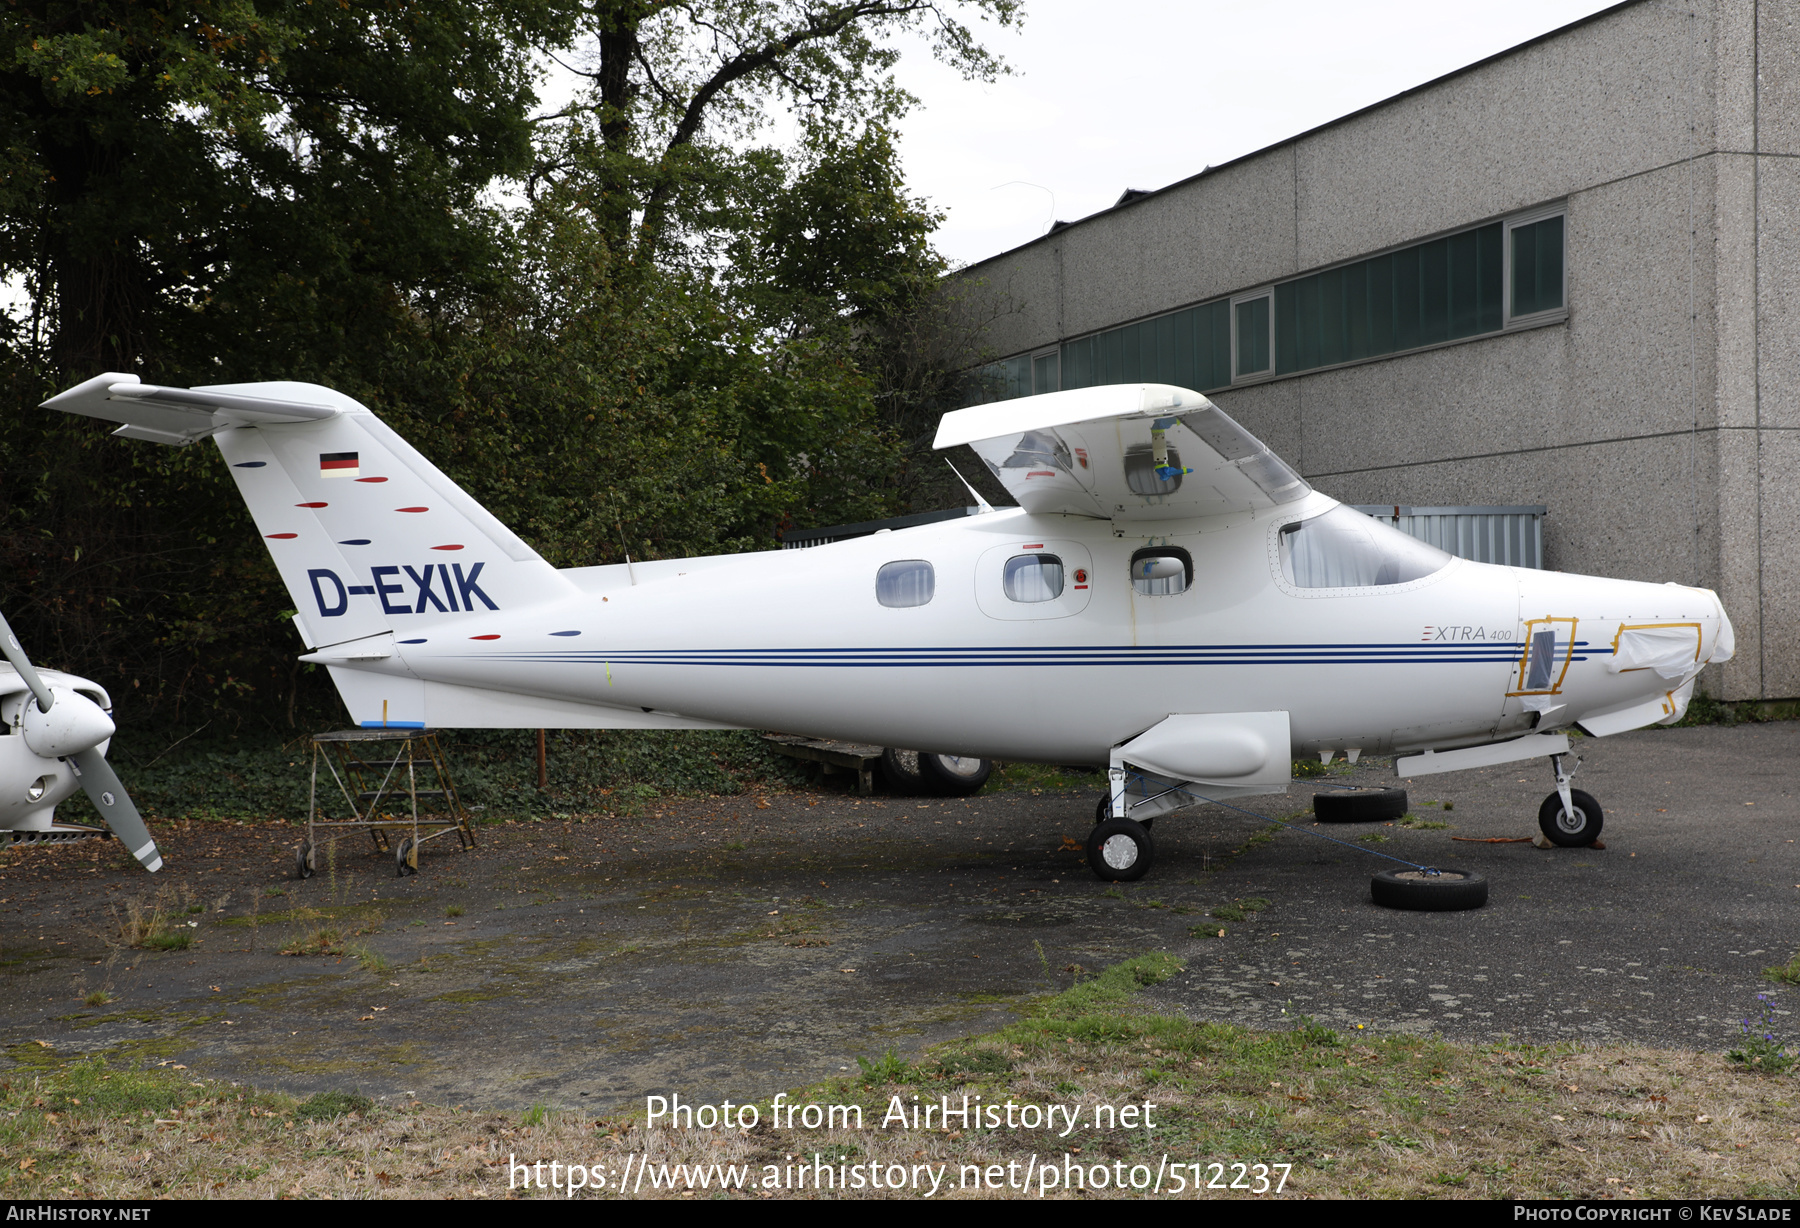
(406, 857)
(304, 860)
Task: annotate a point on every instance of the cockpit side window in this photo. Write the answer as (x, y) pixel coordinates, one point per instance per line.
(1033, 577)
(1345, 549)
(1162, 571)
(909, 582)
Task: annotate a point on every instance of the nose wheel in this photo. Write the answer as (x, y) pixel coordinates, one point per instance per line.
(1569, 817)
(1575, 825)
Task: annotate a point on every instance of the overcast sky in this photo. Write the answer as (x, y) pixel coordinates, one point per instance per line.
(1141, 93)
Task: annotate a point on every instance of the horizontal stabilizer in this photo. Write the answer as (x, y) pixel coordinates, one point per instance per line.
(179, 416)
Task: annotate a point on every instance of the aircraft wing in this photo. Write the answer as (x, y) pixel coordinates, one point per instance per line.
(180, 416)
(1124, 452)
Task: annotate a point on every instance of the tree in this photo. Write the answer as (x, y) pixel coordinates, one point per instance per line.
(172, 158)
(678, 88)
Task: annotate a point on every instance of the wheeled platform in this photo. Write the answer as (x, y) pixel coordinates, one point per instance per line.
(392, 781)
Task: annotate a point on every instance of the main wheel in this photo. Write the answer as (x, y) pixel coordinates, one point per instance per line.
(1365, 806)
(304, 860)
(1429, 890)
(1120, 850)
(1572, 831)
(406, 860)
(901, 768)
(953, 775)
(1103, 812)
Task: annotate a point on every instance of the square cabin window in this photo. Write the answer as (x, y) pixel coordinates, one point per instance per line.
(1033, 577)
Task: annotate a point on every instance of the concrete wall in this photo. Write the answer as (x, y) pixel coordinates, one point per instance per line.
(1658, 421)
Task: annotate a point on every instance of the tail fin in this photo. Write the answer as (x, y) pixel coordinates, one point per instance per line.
(368, 535)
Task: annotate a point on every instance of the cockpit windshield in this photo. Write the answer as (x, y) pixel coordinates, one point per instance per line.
(1345, 549)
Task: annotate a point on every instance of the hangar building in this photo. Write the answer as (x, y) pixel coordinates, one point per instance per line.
(1567, 275)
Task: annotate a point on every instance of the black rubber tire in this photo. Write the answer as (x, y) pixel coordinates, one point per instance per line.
(305, 861)
(900, 768)
(953, 775)
(1364, 806)
(1575, 834)
(1136, 845)
(1103, 812)
(404, 858)
(1417, 891)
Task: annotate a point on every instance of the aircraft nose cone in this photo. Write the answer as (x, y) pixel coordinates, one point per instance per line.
(1725, 641)
(73, 723)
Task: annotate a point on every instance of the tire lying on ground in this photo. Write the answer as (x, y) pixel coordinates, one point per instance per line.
(1429, 891)
(1364, 806)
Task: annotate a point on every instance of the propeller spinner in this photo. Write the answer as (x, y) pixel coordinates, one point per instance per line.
(59, 723)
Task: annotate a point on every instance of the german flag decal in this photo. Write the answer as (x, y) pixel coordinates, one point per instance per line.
(337, 465)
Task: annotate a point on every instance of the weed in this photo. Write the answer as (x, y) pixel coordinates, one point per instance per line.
(370, 959)
(1761, 1051)
(1375, 837)
(1788, 973)
(100, 997)
(736, 846)
(1239, 910)
(169, 940)
(455, 910)
(1205, 931)
(273, 891)
(326, 1106)
(1112, 893)
(890, 1067)
(1416, 823)
(322, 941)
(536, 1115)
(1449, 805)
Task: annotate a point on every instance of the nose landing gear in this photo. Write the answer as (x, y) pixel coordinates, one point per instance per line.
(1569, 817)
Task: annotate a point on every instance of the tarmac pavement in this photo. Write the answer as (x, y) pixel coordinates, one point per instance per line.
(741, 945)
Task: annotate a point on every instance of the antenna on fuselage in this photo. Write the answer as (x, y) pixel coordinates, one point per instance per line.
(629, 570)
(973, 493)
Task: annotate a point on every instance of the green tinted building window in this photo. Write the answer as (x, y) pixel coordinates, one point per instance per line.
(1252, 336)
(1537, 266)
(1189, 348)
(1440, 291)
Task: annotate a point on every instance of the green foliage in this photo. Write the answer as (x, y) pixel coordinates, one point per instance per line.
(890, 1067)
(1786, 974)
(1239, 910)
(1762, 1050)
(1111, 989)
(682, 343)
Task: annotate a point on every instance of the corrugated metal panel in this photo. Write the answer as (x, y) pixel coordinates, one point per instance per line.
(1513, 536)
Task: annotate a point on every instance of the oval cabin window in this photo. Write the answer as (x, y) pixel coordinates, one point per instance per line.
(908, 582)
(1033, 577)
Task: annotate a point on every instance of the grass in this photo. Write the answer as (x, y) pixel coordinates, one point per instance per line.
(1043, 778)
(322, 941)
(1418, 823)
(99, 997)
(1355, 1115)
(1239, 910)
(1785, 974)
(369, 958)
(454, 910)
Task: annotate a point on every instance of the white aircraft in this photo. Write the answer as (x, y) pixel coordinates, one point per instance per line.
(1169, 601)
(54, 730)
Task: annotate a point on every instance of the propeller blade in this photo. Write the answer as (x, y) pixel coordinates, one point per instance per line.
(9, 644)
(109, 797)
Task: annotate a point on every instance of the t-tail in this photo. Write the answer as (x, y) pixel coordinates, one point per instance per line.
(371, 539)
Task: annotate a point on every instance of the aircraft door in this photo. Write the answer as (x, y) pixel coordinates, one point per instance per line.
(1034, 579)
